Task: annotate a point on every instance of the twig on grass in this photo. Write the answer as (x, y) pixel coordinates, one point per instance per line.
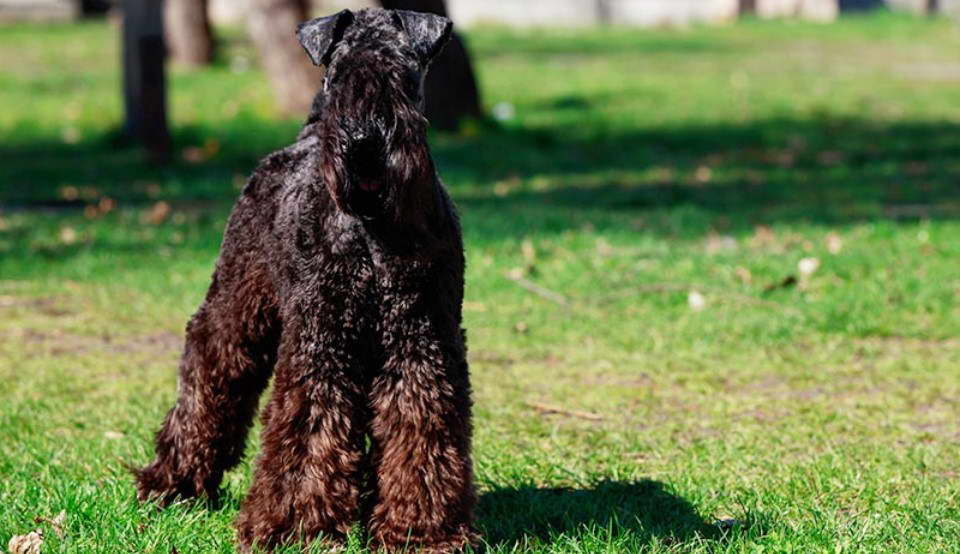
(540, 291)
(670, 288)
(643, 289)
(550, 409)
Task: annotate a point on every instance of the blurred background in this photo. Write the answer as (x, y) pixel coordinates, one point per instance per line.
(712, 288)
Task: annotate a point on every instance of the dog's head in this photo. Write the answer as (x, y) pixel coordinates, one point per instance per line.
(372, 124)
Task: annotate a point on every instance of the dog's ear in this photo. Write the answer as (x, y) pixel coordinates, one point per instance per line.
(320, 36)
(428, 33)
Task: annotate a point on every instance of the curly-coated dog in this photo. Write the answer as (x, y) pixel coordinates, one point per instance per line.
(341, 272)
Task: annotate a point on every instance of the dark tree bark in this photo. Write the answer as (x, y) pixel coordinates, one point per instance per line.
(189, 36)
(748, 6)
(273, 25)
(144, 76)
(451, 87)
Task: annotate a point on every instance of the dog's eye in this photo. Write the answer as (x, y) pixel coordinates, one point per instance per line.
(411, 84)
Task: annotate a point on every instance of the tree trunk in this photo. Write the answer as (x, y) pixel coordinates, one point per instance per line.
(451, 87)
(273, 26)
(144, 76)
(189, 37)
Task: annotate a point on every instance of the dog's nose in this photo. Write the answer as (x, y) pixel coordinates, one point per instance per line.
(365, 155)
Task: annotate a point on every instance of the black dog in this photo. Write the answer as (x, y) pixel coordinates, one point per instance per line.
(341, 272)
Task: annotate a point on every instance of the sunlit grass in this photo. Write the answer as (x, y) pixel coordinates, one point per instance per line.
(670, 367)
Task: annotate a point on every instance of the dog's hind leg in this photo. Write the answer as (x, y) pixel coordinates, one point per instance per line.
(231, 348)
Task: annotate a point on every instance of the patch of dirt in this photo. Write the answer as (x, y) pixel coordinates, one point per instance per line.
(908, 342)
(642, 381)
(45, 306)
(60, 343)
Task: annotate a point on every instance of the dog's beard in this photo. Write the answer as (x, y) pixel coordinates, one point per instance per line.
(396, 189)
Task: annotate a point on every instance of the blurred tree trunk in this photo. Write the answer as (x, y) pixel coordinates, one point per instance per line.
(748, 6)
(144, 77)
(189, 36)
(273, 25)
(451, 87)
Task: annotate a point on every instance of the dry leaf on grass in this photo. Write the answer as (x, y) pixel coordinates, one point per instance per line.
(529, 251)
(57, 522)
(696, 301)
(157, 214)
(834, 243)
(68, 235)
(26, 544)
(808, 266)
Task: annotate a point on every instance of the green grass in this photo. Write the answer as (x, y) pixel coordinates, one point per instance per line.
(820, 412)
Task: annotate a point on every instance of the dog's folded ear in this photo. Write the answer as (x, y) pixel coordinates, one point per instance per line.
(320, 36)
(428, 33)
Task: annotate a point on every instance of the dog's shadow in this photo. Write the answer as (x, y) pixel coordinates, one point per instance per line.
(644, 509)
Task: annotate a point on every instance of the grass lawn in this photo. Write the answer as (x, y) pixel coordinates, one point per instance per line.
(682, 385)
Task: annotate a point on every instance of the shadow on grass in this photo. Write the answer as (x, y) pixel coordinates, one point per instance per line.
(821, 169)
(642, 510)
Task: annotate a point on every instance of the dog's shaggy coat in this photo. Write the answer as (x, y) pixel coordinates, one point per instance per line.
(341, 273)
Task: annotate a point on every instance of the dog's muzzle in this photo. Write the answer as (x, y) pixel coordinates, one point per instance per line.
(366, 161)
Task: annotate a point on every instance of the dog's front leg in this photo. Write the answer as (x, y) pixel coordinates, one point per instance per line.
(306, 482)
(424, 494)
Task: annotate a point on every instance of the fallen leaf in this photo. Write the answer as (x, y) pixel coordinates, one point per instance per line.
(696, 301)
(57, 522)
(529, 252)
(69, 193)
(762, 236)
(113, 435)
(68, 235)
(193, 155)
(744, 275)
(106, 205)
(808, 266)
(834, 243)
(26, 544)
(703, 174)
(157, 214)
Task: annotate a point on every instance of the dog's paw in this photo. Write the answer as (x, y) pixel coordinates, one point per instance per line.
(155, 483)
(466, 540)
